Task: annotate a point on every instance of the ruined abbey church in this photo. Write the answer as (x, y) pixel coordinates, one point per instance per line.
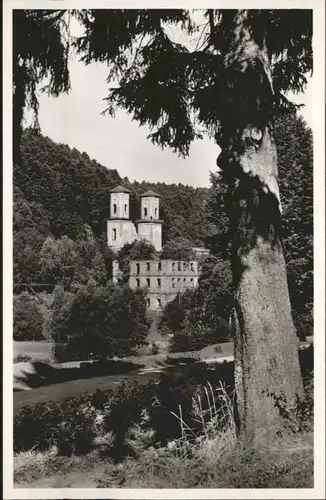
(162, 279)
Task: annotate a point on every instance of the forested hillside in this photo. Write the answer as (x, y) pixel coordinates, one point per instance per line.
(58, 189)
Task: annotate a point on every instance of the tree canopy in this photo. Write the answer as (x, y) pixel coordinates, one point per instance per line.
(180, 91)
(176, 88)
(232, 87)
(40, 55)
(100, 320)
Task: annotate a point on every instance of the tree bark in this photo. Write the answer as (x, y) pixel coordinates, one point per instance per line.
(266, 346)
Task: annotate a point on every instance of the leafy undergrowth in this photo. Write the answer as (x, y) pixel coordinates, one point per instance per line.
(179, 432)
(288, 464)
(277, 467)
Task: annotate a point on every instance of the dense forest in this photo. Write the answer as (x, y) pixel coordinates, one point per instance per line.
(61, 204)
(58, 189)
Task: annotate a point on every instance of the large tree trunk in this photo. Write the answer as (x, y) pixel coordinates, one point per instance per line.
(266, 345)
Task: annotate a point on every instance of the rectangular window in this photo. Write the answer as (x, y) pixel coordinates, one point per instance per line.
(184, 280)
(179, 266)
(114, 234)
(179, 279)
(159, 302)
(138, 282)
(173, 282)
(159, 266)
(192, 267)
(148, 265)
(191, 280)
(148, 282)
(138, 268)
(173, 266)
(148, 302)
(159, 282)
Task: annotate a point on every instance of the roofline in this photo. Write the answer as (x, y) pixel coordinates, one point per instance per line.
(120, 189)
(153, 195)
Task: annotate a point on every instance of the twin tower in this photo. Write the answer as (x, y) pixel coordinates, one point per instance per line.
(121, 230)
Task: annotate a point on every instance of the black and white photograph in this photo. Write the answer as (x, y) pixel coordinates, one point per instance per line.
(164, 264)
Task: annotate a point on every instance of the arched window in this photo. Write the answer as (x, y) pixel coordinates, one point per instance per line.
(145, 211)
(114, 234)
(155, 211)
(126, 206)
(114, 208)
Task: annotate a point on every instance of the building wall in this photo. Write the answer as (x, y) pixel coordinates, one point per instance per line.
(120, 232)
(119, 206)
(163, 279)
(149, 208)
(152, 232)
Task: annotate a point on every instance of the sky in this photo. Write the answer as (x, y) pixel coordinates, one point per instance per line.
(119, 143)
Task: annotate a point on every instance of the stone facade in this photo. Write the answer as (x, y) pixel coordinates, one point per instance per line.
(163, 279)
(121, 230)
(151, 231)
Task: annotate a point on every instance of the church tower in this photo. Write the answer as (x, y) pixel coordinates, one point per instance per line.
(149, 225)
(120, 229)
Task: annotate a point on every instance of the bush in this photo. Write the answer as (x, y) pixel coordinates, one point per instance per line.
(155, 349)
(105, 321)
(181, 359)
(178, 249)
(138, 250)
(196, 337)
(21, 358)
(60, 352)
(69, 426)
(28, 319)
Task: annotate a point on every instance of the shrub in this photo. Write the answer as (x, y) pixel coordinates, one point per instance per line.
(155, 349)
(138, 250)
(192, 338)
(178, 359)
(22, 358)
(125, 410)
(28, 320)
(299, 416)
(178, 249)
(60, 352)
(106, 321)
(69, 425)
(34, 427)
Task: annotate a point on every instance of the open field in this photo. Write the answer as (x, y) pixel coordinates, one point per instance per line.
(38, 351)
(74, 388)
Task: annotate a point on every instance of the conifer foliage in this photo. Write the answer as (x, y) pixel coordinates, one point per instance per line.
(231, 85)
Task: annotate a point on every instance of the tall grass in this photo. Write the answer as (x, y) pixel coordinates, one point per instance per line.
(213, 411)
